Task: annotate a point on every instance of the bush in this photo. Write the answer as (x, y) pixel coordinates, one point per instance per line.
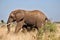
(47, 28)
(50, 26)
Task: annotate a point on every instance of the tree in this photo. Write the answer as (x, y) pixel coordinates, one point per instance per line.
(2, 21)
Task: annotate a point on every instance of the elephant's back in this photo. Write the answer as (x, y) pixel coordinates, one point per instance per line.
(40, 14)
(33, 16)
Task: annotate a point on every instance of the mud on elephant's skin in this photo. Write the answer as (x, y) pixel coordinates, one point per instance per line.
(35, 17)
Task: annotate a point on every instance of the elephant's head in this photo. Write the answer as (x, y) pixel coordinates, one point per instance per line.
(11, 18)
(17, 15)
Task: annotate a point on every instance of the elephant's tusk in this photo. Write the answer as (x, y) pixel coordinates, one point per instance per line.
(8, 23)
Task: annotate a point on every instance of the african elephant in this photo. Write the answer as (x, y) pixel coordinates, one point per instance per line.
(35, 17)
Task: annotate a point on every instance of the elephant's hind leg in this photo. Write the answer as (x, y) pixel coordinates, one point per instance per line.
(19, 26)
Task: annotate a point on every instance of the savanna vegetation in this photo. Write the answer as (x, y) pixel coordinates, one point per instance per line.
(51, 31)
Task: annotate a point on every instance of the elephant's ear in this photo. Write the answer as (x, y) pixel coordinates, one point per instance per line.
(19, 16)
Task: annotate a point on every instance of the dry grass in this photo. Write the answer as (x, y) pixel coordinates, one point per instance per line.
(32, 35)
(20, 36)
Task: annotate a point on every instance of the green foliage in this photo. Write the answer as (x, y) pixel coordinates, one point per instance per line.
(40, 33)
(49, 27)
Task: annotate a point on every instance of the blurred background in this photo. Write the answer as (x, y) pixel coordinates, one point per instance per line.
(51, 8)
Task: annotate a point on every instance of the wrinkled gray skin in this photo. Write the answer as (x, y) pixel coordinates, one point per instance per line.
(35, 17)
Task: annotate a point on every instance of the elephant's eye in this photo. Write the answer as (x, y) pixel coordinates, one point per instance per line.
(11, 17)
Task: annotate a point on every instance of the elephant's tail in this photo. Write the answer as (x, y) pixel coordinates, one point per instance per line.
(47, 20)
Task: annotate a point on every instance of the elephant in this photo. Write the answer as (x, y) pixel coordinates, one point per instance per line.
(34, 18)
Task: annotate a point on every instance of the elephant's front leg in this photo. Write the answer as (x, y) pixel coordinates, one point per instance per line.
(19, 26)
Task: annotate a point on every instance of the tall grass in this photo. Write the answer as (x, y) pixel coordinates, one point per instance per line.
(47, 31)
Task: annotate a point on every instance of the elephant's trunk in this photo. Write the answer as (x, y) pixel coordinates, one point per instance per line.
(8, 23)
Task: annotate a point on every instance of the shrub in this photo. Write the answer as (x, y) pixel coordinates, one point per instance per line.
(50, 26)
(47, 28)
